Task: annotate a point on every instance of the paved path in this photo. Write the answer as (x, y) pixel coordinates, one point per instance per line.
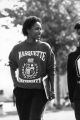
(50, 114)
(61, 115)
(10, 118)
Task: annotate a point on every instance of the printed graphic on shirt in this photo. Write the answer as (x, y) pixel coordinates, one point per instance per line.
(39, 54)
(78, 66)
(30, 69)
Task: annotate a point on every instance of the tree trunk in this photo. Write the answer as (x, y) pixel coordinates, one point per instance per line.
(58, 91)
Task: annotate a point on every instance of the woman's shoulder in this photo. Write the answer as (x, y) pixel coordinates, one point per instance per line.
(44, 44)
(18, 45)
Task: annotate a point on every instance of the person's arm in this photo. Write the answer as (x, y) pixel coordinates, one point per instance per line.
(13, 66)
(46, 86)
(51, 79)
(51, 71)
(13, 75)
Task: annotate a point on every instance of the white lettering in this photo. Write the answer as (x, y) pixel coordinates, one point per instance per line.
(38, 80)
(39, 54)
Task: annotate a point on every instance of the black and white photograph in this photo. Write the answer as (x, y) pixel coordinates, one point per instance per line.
(39, 59)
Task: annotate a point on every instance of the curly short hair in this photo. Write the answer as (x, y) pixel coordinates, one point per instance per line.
(77, 26)
(29, 22)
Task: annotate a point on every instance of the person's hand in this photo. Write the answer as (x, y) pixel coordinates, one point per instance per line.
(73, 105)
(51, 95)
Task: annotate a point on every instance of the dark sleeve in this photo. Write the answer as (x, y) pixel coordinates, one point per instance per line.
(71, 76)
(51, 63)
(51, 70)
(12, 60)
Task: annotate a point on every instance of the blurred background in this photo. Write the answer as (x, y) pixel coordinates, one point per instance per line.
(58, 18)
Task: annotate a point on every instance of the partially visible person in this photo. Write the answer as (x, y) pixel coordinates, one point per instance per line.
(73, 75)
(34, 60)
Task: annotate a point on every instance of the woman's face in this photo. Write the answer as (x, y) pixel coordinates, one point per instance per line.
(35, 31)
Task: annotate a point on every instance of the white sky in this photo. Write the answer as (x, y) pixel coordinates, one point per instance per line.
(11, 4)
(8, 38)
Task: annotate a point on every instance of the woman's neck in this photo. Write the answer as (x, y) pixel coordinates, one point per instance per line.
(30, 40)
